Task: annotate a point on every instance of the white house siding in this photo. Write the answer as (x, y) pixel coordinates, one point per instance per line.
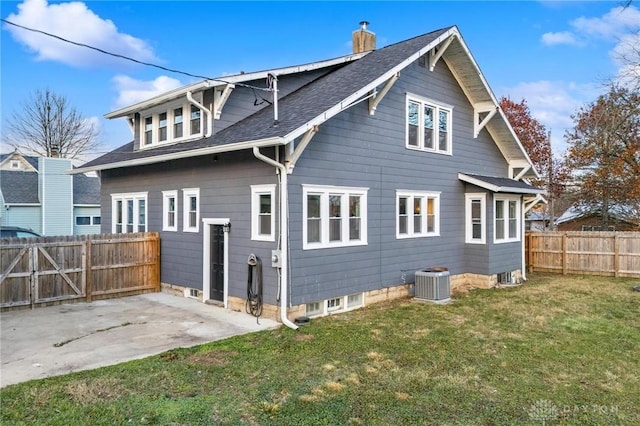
(91, 212)
(56, 196)
(29, 217)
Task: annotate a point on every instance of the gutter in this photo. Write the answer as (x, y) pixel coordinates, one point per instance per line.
(284, 235)
(181, 154)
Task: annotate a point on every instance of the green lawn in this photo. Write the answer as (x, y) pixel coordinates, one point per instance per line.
(557, 350)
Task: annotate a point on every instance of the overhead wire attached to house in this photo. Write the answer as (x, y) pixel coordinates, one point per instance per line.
(127, 58)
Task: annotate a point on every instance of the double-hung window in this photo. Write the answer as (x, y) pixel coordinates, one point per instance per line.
(169, 210)
(475, 223)
(417, 214)
(191, 207)
(428, 125)
(263, 212)
(129, 212)
(334, 216)
(507, 219)
(175, 122)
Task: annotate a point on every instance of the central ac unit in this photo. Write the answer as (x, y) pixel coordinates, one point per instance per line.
(433, 285)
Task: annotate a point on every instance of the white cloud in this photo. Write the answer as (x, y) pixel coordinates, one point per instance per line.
(75, 22)
(131, 91)
(612, 25)
(553, 103)
(564, 37)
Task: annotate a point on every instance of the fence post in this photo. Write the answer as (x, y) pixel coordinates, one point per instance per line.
(616, 256)
(564, 253)
(87, 267)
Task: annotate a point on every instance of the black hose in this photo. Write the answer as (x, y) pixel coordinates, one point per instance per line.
(254, 286)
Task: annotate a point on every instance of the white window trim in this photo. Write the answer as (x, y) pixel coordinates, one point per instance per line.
(186, 194)
(438, 106)
(165, 210)
(324, 192)
(469, 197)
(506, 199)
(170, 109)
(326, 310)
(124, 197)
(410, 233)
(256, 192)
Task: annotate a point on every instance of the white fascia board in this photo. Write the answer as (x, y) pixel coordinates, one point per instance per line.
(23, 204)
(496, 188)
(349, 100)
(165, 97)
(184, 154)
(492, 96)
(86, 205)
(231, 79)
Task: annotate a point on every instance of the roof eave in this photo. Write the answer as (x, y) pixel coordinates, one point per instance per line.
(231, 79)
(498, 188)
(275, 141)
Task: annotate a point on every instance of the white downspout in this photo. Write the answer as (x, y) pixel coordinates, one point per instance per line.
(284, 237)
(206, 111)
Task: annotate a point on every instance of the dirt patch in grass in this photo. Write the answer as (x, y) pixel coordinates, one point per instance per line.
(211, 358)
(303, 337)
(91, 391)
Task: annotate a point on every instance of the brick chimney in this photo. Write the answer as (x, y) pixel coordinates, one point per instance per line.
(363, 40)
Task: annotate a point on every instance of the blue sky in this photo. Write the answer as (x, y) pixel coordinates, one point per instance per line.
(554, 54)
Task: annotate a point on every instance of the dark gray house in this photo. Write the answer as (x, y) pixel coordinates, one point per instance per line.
(360, 171)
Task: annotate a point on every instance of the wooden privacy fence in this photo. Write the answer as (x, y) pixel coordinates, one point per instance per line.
(590, 253)
(38, 271)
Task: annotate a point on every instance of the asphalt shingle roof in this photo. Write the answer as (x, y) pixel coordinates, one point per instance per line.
(86, 189)
(297, 108)
(19, 187)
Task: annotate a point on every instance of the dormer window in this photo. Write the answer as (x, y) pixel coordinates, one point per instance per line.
(167, 124)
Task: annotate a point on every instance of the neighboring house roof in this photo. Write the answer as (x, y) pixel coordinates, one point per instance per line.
(33, 161)
(500, 184)
(86, 189)
(576, 211)
(19, 187)
(537, 216)
(327, 96)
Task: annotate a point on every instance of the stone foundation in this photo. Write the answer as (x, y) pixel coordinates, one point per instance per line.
(460, 284)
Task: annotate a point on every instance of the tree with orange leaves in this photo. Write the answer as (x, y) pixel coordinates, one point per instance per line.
(604, 154)
(535, 139)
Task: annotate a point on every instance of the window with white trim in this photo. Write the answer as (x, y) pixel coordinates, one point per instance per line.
(475, 212)
(167, 124)
(191, 209)
(334, 216)
(417, 214)
(129, 212)
(263, 212)
(506, 219)
(169, 210)
(428, 125)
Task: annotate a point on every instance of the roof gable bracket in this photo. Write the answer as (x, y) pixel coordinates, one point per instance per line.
(220, 98)
(377, 96)
(484, 107)
(434, 55)
(132, 125)
(306, 138)
(515, 165)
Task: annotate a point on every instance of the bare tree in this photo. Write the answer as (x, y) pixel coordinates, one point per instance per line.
(49, 127)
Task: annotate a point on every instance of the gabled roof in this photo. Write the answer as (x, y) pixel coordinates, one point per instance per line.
(500, 184)
(33, 161)
(327, 96)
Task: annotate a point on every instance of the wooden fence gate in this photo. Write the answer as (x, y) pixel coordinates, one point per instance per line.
(38, 271)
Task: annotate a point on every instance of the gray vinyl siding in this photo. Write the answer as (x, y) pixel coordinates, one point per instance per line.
(225, 192)
(355, 149)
